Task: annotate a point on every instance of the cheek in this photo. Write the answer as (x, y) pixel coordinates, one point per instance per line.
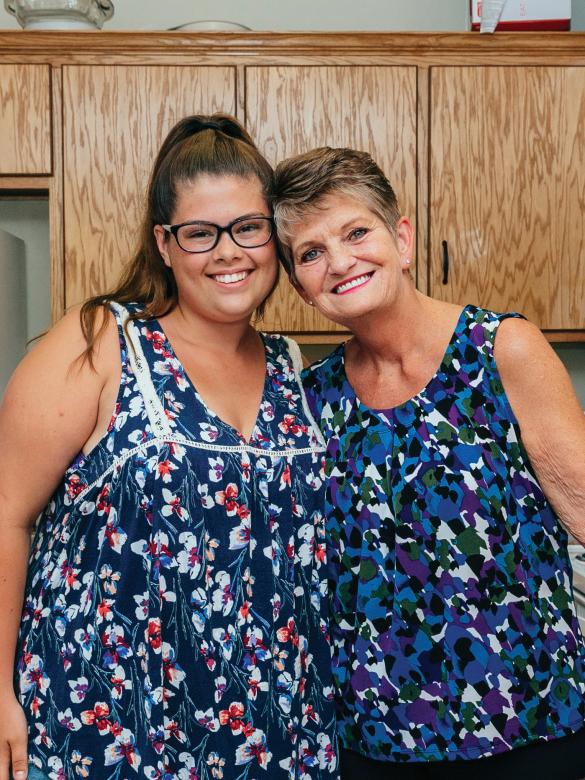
(270, 261)
(270, 255)
(171, 257)
(310, 279)
(184, 266)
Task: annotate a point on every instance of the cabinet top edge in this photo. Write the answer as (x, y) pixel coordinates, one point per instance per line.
(75, 42)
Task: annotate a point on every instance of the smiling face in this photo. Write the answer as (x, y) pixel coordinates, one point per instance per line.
(347, 262)
(226, 283)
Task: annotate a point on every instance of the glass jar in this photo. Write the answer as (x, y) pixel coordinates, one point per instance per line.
(60, 14)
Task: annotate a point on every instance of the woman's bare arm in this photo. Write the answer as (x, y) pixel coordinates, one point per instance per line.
(48, 413)
(552, 423)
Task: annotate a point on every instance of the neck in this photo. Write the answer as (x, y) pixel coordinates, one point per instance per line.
(212, 336)
(392, 334)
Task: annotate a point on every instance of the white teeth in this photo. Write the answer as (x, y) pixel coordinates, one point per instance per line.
(231, 278)
(354, 283)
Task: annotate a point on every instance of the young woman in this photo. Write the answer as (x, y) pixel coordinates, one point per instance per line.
(174, 619)
(455, 446)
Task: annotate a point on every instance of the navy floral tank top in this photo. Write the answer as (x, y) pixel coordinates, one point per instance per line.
(175, 622)
(453, 626)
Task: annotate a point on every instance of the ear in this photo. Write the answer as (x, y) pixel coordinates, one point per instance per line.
(405, 239)
(162, 242)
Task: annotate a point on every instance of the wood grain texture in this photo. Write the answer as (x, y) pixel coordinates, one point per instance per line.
(507, 185)
(320, 338)
(25, 119)
(13, 186)
(182, 48)
(115, 119)
(56, 212)
(290, 110)
(422, 223)
(564, 336)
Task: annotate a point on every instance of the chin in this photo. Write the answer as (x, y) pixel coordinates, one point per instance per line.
(352, 313)
(234, 316)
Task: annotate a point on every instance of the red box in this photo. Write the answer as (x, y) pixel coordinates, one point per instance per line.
(528, 15)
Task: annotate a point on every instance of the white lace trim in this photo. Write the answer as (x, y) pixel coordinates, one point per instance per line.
(297, 360)
(154, 409)
(159, 422)
(119, 461)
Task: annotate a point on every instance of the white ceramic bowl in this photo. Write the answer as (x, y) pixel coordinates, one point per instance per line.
(210, 25)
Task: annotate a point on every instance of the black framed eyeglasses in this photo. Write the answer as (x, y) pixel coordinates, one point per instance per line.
(246, 232)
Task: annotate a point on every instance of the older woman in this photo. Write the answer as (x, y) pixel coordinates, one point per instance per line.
(455, 447)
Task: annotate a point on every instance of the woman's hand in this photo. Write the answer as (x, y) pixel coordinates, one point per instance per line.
(551, 420)
(13, 739)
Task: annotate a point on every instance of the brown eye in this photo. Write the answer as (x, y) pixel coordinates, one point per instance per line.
(197, 234)
(253, 226)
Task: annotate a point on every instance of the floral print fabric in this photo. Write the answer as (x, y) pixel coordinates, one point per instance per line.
(453, 627)
(175, 622)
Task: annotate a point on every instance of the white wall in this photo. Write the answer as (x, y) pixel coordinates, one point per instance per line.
(299, 15)
(280, 15)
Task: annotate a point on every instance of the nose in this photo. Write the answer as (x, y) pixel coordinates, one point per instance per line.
(226, 248)
(340, 260)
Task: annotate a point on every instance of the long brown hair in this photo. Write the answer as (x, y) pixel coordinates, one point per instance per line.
(217, 145)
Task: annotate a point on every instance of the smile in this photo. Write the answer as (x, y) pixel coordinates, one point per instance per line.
(352, 284)
(231, 278)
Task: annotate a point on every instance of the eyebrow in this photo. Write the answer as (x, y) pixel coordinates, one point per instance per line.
(303, 246)
(251, 215)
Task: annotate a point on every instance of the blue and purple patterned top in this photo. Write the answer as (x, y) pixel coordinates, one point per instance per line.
(453, 626)
(175, 623)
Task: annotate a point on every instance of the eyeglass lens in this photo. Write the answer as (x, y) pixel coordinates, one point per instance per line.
(200, 236)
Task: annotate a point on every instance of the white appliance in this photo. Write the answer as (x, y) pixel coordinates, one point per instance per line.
(12, 305)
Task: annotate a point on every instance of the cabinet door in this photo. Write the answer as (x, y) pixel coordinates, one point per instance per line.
(292, 109)
(115, 118)
(25, 119)
(507, 190)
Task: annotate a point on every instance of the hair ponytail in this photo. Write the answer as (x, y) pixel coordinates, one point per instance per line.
(215, 145)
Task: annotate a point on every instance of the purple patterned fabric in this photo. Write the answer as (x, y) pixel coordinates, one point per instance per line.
(453, 625)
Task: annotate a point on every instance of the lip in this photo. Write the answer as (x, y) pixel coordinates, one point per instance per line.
(368, 274)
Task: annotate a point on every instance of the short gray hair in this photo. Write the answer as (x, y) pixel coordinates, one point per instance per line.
(302, 182)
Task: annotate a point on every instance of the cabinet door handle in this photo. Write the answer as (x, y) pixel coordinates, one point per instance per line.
(445, 262)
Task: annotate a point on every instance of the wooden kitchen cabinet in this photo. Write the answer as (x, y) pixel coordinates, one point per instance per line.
(507, 182)
(292, 109)
(25, 119)
(481, 136)
(114, 121)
